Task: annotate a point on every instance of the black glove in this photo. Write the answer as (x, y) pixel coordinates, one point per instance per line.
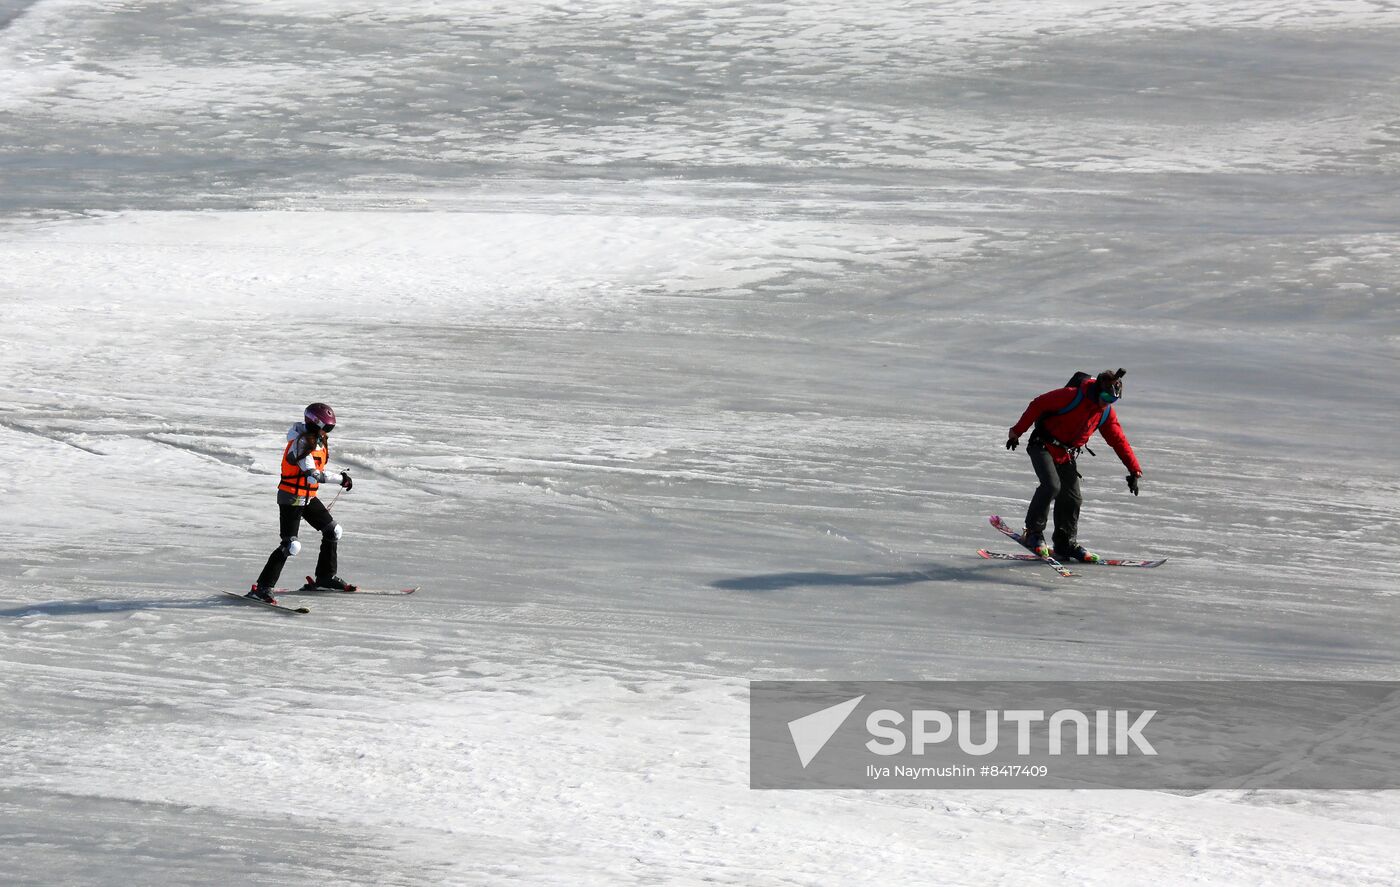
(1132, 483)
(1013, 442)
(345, 480)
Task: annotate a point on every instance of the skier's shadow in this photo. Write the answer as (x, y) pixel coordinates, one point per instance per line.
(99, 606)
(881, 579)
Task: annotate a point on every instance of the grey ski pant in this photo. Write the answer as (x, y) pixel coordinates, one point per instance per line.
(1058, 484)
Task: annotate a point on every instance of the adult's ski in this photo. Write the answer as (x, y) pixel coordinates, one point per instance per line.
(1002, 527)
(1101, 562)
(293, 611)
(311, 588)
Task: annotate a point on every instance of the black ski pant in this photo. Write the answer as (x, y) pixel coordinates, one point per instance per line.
(1058, 484)
(319, 517)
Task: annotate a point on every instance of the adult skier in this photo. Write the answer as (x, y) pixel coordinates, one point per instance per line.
(1064, 420)
(303, 471)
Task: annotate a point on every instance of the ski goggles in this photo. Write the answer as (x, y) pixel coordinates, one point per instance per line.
(1110, 396)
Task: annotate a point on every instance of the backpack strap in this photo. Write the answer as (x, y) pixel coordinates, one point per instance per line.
(1074, 404)
(1046, 438)
(1078, 399)
(1040, 434)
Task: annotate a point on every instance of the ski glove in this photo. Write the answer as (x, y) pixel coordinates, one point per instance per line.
(345, 480)
(1013, 442)
(1132, 483)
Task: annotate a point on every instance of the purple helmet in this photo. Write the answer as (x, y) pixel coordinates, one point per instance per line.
(320, 417)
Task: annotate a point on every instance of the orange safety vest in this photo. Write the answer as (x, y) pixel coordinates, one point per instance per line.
(293, 481)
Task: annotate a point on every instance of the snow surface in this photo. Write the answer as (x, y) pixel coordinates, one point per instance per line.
(674, 345)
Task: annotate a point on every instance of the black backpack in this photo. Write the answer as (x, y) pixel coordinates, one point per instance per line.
(1075, 381)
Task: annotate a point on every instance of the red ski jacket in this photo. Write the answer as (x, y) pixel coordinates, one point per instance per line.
(1073, 429)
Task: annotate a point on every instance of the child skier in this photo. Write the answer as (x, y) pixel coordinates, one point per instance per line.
(303, 471)
(1064, 420)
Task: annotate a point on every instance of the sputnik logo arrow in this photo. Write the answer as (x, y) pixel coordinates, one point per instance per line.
(812, 732)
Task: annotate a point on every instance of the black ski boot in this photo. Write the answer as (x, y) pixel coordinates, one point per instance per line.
(328, 583)
(1035, 541)
(1073, 551)
(261, 594)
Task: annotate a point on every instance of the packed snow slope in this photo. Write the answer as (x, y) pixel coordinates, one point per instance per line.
(674, 345)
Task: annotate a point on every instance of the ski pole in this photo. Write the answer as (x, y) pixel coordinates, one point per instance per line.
(345, 472)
